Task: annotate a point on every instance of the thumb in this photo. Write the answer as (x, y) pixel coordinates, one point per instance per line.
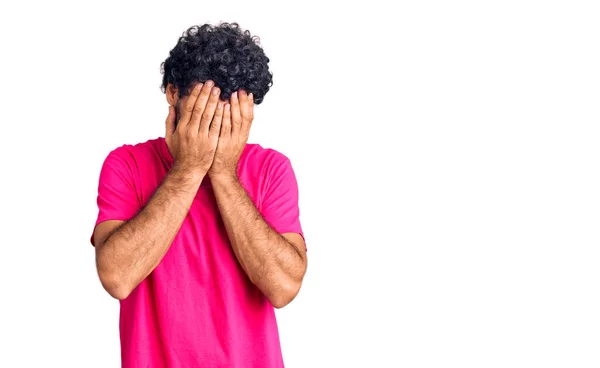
(170, 122)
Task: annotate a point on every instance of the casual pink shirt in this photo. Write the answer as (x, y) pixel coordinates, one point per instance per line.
(198, 308)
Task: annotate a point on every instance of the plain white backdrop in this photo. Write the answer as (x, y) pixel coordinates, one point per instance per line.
(447, 155)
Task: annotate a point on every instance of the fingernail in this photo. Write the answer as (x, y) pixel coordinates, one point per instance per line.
(234, 94)
(199, 86)
(215, 91)
(251, 95)
(209, 83)
(227, 107)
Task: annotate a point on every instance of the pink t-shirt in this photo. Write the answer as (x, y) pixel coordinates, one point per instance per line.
(198, 308)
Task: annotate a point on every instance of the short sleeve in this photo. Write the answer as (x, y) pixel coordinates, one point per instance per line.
(280, 207)
(117, 197)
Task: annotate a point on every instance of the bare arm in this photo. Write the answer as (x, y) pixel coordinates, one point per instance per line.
(275, 263)
(127, 252)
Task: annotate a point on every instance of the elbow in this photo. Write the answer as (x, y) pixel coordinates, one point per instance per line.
(112, 280)
(119, 293)
(114, 285)
(280, 303)
(284, 294)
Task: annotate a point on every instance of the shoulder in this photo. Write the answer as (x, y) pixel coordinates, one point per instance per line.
(264, 156)
(132, 152)
(266, 166)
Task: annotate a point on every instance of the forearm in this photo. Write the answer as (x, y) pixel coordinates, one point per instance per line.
(135, 248)
(273, 264)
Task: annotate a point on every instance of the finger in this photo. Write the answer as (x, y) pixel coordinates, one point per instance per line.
(248, 123)
(215, 126)
(186, 111)
(200, 106)
(170, 122)
(226, 123)
(209, 111)
(244, 107)
(236, 117)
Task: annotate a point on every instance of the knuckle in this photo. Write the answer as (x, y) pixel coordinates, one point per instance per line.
(189, 134)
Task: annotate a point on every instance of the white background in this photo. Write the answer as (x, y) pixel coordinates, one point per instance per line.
(447, 156)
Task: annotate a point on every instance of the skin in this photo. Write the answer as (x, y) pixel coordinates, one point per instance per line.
(275, 263)
(208, 139)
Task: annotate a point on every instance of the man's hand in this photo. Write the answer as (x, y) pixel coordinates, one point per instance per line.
(194, 141)
(235, 128)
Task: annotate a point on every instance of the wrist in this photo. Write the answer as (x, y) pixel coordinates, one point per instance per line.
(229, 177)
(187, 173)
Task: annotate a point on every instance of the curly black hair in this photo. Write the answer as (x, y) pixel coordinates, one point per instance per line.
(223, 53)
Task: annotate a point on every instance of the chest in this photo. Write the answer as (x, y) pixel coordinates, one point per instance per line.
(201, 252)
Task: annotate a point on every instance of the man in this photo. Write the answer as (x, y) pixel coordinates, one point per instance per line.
(198, 233)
